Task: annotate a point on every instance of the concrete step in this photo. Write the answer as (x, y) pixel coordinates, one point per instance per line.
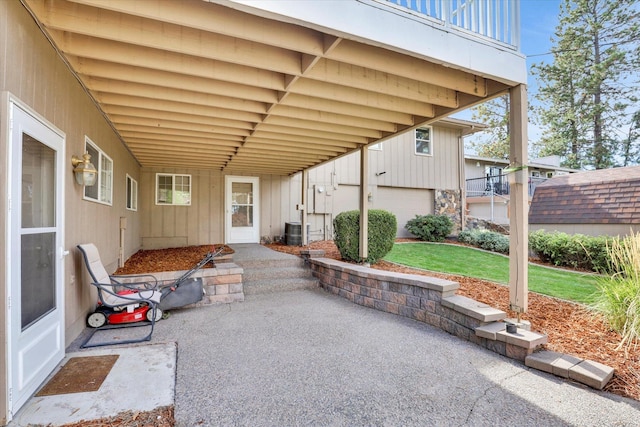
(278, 285)
(251, 274)
(593, 374)
(249, 264)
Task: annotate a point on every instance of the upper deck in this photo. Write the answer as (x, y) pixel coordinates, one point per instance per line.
(477, 36)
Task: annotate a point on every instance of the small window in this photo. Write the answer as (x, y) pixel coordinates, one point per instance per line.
(550, 174)
(535, 174)
(132, 194)
(172, 189)
(423, 141)
(376, 147)
(102, 190)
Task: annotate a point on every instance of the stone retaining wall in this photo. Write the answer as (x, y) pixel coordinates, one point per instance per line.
(426, 299)
(222, 284)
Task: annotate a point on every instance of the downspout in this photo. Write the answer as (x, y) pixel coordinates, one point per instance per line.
(364, 203)
(463, 184)
(303, 208)
(123, 227)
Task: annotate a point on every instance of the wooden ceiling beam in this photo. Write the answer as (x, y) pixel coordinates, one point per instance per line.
(277, 162)
(151, 130)
(279, 145)
(362, 97)
(168, 124)
(266, 127)
(303, 140)
(160, 94)
(377, 58)
(172, 116)
(347, 109)
(125, 54)
(380, 82)
(330, 118)
(324, 127)
(170, 140)
(127, 73)
(178, 111)
(206, 16)
(142, 142)
(82, 24)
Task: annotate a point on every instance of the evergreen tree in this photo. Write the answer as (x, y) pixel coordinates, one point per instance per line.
(494, 142)
(587, 93)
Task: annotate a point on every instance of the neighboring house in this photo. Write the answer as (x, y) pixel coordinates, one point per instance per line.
(199, 117)
(487, 184)
(600, 202)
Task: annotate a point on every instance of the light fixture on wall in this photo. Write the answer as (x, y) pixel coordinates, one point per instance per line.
(477, 164)
(84, 170)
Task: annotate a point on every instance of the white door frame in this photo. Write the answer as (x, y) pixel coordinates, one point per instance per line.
(40, 345)
(241, 234)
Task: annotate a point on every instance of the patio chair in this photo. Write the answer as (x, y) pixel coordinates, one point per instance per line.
(121, 304)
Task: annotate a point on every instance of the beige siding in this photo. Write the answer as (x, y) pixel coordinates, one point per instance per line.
(200, 223)
(32, 71)
(402, 167)
(405, 204)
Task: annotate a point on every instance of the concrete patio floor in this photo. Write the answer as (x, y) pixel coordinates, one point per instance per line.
(307, 357)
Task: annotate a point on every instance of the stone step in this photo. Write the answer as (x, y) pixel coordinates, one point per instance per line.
(278, 285)
(252, 274)
(521, 338)
(473, 309)
(588, 372)
(248, 264)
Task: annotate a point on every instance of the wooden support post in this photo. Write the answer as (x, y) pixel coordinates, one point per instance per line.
(364, 203)
(519, 201)
(303, 211)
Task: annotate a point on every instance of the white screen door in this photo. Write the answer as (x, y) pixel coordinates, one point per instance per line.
(36, 319)
(242, 209)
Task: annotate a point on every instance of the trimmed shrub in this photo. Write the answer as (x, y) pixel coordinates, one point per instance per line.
(571, 250)
(468, 236)
(430, 228)
(382, 233)
(485, 239)
(494, 242)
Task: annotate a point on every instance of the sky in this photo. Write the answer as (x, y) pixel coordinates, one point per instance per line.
(538, 21)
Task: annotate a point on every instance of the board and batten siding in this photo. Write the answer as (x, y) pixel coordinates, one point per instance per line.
(401, 165)
(202, 222)
(406, 188)
(33, 73)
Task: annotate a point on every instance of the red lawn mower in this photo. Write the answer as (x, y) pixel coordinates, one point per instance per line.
(123, 303)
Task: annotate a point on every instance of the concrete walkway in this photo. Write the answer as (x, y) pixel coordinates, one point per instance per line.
(307, 357)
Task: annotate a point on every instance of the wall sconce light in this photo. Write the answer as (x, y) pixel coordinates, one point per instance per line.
(477, 164)
(84, 170)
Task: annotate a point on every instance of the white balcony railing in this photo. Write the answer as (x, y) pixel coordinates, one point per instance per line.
(498, 20)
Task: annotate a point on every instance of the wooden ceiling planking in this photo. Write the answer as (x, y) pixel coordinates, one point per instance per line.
(190, 76)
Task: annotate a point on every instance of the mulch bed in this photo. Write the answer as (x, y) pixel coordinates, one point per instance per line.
(171, 259)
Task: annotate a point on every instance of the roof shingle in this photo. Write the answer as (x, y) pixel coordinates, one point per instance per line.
(606, 196)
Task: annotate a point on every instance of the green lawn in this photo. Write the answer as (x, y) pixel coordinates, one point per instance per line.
(471, 262)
